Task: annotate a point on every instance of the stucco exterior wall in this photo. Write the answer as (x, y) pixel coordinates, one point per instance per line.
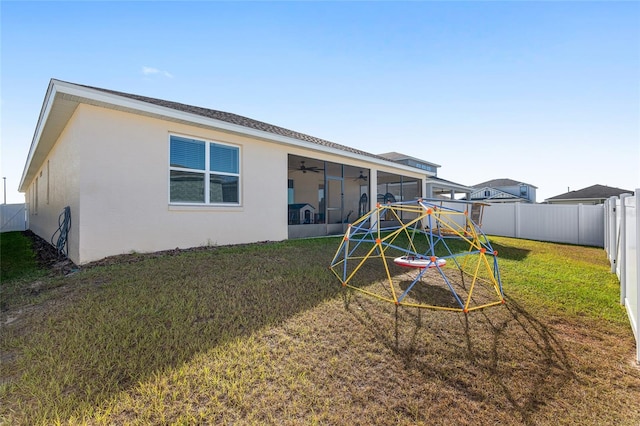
(57, 187)
(124, 189)
(112, 168)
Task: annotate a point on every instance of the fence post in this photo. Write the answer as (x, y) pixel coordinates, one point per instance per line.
(516, 220)
(622, 253)
(580, 222)
(606, 226)
(613, 240)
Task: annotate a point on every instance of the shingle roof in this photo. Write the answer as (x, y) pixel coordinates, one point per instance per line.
(594, 191)
(394, 156)
(236, 119)
(501, 182)
(398, 156)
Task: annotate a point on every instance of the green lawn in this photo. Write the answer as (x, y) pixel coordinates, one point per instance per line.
(265, 334)
(18, 269)
(18, 260)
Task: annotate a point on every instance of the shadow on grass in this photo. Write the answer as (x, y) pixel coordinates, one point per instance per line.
(502, 356)
(550, 366)
(510, 252)
(427, 292)
(126, 322)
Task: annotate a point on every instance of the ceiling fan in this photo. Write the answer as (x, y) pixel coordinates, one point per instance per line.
(361, 177)
(304, 169)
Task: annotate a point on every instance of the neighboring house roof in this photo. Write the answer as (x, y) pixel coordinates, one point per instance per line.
(494, 183)
(591, 192)
(494, 195)
(439, 185)
(62, 99)
(397, 156)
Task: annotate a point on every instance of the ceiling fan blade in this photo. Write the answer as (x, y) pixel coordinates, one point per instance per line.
(361, 177)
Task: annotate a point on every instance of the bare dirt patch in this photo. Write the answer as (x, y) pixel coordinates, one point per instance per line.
(48, 257)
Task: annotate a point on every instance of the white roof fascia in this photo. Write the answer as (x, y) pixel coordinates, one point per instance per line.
(61, 87)
(109, 98)
(47, 103)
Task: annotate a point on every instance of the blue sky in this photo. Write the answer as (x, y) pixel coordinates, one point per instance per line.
(547, 93)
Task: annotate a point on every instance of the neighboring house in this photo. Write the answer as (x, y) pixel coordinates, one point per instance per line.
(595, 194)
(143, 174)
(436, 187)
(504, 191)
(411, 161)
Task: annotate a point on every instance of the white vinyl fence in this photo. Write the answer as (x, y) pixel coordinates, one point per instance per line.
(622, 244)
(572, 224)
(614, 226)
(13, 217)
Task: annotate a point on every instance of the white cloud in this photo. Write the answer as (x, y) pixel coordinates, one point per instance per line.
(156, 71)
(149, 70)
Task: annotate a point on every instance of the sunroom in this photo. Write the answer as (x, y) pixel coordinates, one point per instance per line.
(324, 196)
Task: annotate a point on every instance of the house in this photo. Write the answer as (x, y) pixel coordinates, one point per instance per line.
(595, 194)
(504, 191)
(436, 186)
(144, 174)
(411, 161)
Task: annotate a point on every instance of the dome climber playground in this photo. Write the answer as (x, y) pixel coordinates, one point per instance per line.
(424, 253)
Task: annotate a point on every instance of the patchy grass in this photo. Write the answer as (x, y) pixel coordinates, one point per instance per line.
(18, 259)
(264, 334)
(563, 278)
(19, 269)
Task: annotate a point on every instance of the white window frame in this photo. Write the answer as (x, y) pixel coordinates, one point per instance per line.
(207, 172)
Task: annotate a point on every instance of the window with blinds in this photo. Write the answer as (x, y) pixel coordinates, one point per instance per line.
(203, 172)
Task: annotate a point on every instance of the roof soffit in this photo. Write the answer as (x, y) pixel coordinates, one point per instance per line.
(54, 116)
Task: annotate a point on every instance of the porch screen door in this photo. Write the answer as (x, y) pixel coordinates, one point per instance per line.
(335, 204)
